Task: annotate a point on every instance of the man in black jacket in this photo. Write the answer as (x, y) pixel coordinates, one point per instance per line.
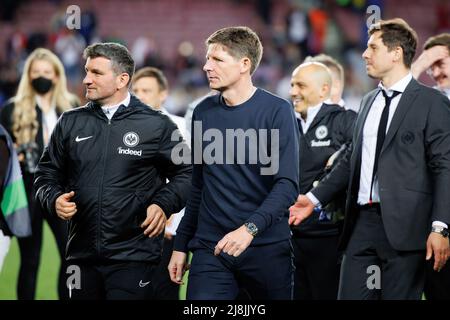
(105, 171)
(324, 129)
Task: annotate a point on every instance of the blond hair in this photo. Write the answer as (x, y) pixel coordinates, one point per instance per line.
(24, 117)
(330, 62)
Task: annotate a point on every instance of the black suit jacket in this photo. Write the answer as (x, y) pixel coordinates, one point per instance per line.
(413, 169)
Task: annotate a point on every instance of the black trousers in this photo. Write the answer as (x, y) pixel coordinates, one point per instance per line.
(164, 288)
(317, 265)
(263, 272)
(112, 280)
(437, 284)
(372, 270)
(30, 251)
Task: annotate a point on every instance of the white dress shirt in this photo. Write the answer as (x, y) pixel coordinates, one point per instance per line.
(369, 141)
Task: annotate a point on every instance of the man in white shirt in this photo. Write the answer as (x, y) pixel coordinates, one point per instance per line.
(396, 172)
(150, 85)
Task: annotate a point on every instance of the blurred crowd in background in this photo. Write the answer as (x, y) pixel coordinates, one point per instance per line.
(170, 34)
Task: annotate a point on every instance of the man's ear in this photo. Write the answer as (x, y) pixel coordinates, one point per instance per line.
(123, 80)
(325, 91)
(163, 96)
(246, 65)
(398, 54)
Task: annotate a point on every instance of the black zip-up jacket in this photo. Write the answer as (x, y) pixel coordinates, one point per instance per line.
(331, 128)
(116, 168)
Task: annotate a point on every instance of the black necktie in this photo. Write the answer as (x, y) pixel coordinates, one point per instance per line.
(381, 135)
(299, 122)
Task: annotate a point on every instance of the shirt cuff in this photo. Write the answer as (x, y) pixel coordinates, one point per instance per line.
(181, 242)
(439, 224)
(313, 199)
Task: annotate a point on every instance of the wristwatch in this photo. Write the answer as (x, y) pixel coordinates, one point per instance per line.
(251, 228)
(441, 230)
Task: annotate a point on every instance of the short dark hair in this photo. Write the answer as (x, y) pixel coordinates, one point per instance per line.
(151, 72)
(240, 42)
(442, 39)
(397, 33)
(330, 62)
(120, 57)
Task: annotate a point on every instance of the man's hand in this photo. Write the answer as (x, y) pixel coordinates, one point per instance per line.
(155, 221)
(235, 242)
(427, 59)
(177, 266)
(64, 208)
(438, 246)
(301, 210)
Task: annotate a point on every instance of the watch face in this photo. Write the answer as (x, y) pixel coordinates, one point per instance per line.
(251, 227)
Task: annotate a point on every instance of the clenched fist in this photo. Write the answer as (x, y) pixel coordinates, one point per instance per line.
(65, 209)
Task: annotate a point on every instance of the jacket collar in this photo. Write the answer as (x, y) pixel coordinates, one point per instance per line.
(134, 105)
(403, 107)
(325, 110)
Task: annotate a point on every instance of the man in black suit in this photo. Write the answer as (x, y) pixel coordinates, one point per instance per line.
(397, 175)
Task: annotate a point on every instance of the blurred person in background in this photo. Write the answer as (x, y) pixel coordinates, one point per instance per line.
(150, 85)
(29, 118)
(435, 61)
(337, 77)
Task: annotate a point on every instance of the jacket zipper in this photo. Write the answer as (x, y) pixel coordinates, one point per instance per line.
(99, 216)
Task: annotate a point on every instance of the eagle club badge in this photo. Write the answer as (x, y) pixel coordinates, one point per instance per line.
(321, 132)
(407, 137)
(130, 139)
